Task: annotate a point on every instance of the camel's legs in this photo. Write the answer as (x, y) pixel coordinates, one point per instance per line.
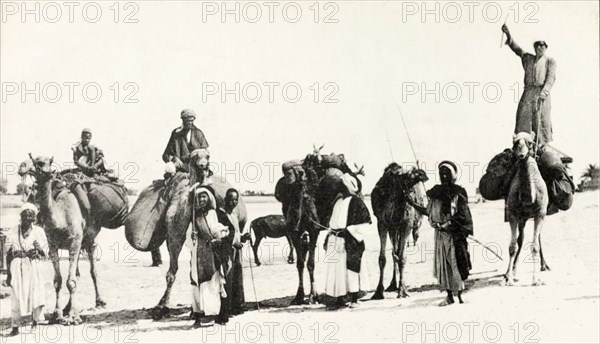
(53, 255)
(512, 250)
(71, 308)
(94, 272)
(291, 255)
(395, 271)
(403, 236)
(255, 246)
(174, 244)
(544, 265)
(535, 247)
(312, 297)
(301, 257)
(519, 247)
(382, 244)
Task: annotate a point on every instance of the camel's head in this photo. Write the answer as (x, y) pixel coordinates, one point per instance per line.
(393, 169)
(293, 171)
(414, 177)
(199, 166)
(41, 167)
(523, 144)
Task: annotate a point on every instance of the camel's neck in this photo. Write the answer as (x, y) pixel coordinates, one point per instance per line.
(46, 201)
(528, 172)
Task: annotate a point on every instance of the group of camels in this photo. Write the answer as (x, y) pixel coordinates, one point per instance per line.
(306, 194)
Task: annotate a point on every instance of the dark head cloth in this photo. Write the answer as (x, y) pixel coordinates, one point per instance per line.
(536, 43)
(86, 130)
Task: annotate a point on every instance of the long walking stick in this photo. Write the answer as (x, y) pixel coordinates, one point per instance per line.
(484, 246)
(408, 136)
(253, 285)
(538, 120)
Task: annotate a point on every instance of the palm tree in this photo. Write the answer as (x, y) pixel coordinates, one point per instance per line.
(592, 172)
(590, 178)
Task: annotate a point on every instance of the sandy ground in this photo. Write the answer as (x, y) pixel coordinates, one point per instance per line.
(565, 309)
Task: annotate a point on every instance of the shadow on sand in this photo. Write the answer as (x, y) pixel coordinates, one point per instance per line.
(103, 320)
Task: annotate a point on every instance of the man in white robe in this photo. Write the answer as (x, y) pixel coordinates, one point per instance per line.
(26, 247)
(346, 273)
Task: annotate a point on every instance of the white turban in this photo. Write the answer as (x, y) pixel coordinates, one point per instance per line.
(211, 198)
(28, 206)
(188, 113)
(529, 137)
(350, 182)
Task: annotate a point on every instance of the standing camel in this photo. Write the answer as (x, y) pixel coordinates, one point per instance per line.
(65, 229)
(527, 198)
(298, 198)
(395, 200)
(307, 193)
(179, 216)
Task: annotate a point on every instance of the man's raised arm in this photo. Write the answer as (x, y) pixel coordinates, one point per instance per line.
(511, 42)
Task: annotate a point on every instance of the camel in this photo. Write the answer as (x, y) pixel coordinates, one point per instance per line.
(527, 198)
(271, 226)
(65, 229)
(395, 200)
(179, 216)
(307, 194)
(302, 226)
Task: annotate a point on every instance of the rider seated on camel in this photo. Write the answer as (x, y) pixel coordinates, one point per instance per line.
(183, 141)
(89, 159)
(86, 156)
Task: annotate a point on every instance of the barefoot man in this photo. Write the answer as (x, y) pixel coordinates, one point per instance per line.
(450, 216)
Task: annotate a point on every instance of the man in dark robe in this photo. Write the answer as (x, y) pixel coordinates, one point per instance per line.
(89, 159)
(232, 255)
(450, 216)
(183, 141)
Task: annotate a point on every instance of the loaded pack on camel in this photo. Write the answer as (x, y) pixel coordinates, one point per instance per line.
(553, 164)
(106, 195)
(307, 192)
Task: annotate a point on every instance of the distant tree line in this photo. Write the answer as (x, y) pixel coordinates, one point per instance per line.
(256, 193)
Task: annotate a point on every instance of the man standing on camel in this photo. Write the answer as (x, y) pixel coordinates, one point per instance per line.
(540, 73)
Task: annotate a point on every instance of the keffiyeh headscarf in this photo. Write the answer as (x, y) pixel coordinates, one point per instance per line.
(350, 183)
(451, 166)
(29, 206)
(212, 203)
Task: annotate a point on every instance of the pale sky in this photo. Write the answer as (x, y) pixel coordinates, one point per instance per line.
(373, 56)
